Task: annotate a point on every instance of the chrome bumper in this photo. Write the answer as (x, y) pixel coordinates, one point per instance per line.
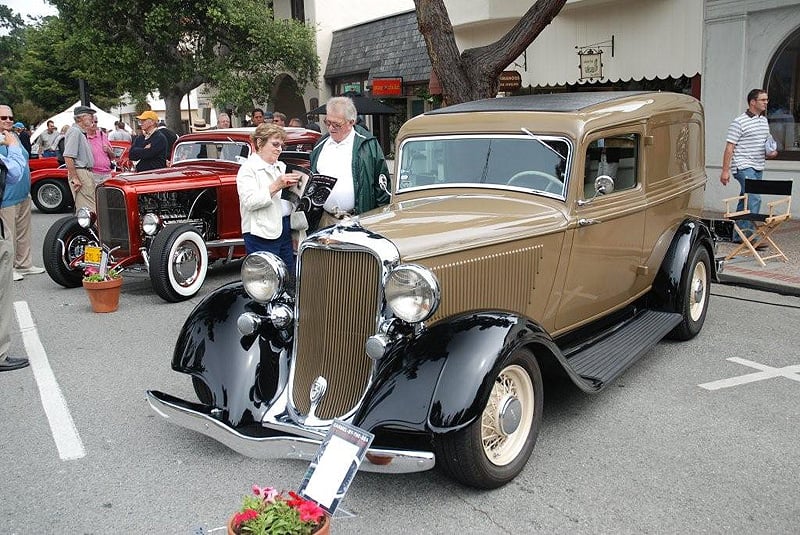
(279, 447)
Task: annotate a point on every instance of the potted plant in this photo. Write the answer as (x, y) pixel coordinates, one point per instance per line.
(269, 512)
(103, 290)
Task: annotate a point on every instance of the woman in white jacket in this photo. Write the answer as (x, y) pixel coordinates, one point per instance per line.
(265, 216)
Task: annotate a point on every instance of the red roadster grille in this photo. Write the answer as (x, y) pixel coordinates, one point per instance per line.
(112, 220)
(338, 307)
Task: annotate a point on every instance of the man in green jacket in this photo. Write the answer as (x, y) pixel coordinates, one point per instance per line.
(354, 156)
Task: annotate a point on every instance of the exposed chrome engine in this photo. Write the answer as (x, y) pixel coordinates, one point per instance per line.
(196, 207)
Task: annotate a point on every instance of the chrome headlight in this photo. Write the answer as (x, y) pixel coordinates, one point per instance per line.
(85, 217)
(150, 223)
(263, 276)
(412, 293)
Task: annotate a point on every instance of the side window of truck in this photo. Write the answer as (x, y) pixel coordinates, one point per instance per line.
(616, 156)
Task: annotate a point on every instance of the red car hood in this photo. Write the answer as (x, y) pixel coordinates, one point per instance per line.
(173, 178)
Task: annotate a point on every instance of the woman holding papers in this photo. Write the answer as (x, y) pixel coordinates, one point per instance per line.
(260, 181)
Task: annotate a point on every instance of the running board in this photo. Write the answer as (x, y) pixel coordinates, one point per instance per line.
(605, 360)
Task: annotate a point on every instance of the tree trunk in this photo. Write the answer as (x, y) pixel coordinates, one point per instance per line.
(173, 100)
(474, 74)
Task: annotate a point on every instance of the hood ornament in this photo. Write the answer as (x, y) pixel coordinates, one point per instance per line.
(317, 391)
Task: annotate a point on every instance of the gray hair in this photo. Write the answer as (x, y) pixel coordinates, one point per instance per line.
(343, 106)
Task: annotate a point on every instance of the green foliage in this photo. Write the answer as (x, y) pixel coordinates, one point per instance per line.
(270, 49)
(11, 46)
(29, 113)
(43, 70)
(176, 45)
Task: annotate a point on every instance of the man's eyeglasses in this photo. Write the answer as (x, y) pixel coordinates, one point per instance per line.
(331, 124)
(6, 117)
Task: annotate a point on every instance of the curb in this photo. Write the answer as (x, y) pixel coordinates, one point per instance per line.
(771, 282)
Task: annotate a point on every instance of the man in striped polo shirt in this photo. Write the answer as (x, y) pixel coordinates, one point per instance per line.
(745, 152)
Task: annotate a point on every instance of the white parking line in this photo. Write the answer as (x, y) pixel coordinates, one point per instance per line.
(767, 372)
(65, 434)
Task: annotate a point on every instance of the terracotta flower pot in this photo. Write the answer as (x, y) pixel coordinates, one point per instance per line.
(324, 529)
(104, 295)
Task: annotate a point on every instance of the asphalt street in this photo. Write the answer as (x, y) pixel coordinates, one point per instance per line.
(698, 437)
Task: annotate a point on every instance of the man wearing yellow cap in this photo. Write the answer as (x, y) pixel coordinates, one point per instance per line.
(149, 150)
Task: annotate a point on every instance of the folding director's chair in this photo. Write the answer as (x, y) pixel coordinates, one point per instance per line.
(765, 224)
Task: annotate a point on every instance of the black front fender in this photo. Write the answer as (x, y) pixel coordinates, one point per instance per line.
(441, 380)
(244, 374)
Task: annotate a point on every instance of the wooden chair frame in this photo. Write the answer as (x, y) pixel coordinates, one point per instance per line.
(765, 224)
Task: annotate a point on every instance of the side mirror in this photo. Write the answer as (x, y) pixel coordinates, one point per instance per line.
(603, 185)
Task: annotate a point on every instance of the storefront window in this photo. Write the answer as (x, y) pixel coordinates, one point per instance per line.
(783, 85)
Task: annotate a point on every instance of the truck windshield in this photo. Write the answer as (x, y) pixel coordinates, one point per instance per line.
(535, 163)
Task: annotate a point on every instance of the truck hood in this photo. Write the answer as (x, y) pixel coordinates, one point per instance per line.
(432, 226)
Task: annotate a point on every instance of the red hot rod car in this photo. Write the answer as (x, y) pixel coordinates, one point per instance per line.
(170, 223)
(49, 188)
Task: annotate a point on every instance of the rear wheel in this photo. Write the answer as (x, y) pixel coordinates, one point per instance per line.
(694, 287)
(63, 245)
(52, 196)
(178, 263)
(494, 449)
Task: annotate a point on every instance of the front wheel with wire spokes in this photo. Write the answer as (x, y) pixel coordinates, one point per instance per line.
(494, 449)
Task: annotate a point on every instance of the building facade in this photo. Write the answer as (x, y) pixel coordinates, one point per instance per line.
(751, 44)
(715, 50)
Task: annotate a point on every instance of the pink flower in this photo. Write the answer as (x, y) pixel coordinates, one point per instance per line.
(267, 493)
(270, 494)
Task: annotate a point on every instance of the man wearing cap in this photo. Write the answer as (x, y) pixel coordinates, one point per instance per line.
(15, 207)
(79, 160)
(24, 136)
(149, 149)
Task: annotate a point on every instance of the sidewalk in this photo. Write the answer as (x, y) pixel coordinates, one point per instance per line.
(777, 276)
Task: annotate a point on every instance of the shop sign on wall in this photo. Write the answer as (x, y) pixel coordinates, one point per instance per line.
(591, 64)
(591, 58)
(387, 87)
(351, 87)
(509, 81)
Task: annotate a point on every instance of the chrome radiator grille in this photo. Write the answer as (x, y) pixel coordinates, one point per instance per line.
(338, 305)
(112, 220)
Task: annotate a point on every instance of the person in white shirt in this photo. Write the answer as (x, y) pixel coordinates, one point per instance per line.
(48, 141)
(260, 181)
(354, 156)
(119, 133)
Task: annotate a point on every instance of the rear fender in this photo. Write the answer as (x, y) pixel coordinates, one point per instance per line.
(441, 381)
(666, 292)
(244, 374)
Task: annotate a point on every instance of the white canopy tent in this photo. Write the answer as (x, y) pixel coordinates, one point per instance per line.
(104, 120)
